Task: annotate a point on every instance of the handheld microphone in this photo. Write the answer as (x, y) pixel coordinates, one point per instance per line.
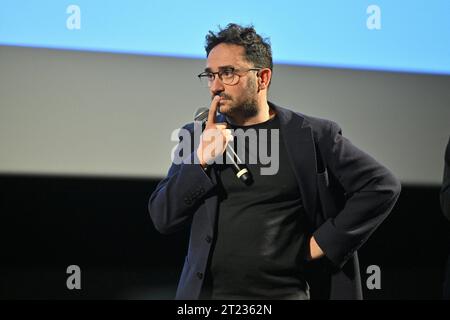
(201, 114)
(241, 172)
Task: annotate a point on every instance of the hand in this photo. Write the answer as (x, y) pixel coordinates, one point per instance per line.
(315, 252)
(215, 137)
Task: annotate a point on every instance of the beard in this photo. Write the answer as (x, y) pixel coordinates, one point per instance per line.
(247, 108)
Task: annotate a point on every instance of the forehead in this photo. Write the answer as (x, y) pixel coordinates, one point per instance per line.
(226, 55)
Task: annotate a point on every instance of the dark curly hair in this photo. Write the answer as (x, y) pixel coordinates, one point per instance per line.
(257, 49)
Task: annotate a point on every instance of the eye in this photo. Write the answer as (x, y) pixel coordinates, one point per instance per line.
(209, 76)
(228, 73)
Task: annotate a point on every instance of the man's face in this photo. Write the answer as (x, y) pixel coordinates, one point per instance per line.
(241, 97)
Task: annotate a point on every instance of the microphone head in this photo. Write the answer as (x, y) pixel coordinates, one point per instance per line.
(201, 114)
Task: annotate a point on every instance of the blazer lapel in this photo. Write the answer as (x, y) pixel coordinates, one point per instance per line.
(212, 201)
(300, 147)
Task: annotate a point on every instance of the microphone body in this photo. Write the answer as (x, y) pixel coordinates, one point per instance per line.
(239, 169)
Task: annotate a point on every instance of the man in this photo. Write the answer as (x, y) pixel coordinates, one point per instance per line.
(252, 241)
(445, 205)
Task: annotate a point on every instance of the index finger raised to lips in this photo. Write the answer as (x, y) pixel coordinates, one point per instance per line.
(213, 109)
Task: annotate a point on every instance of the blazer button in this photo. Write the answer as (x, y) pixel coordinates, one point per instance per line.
(208, 239)
(200, 275)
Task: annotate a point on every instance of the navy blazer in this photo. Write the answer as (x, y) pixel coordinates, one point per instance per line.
(345, 192)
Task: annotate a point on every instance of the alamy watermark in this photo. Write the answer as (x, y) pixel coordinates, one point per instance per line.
(373, 21)
(373, 281)
(74, 280)
(73, 21)
(263, 147)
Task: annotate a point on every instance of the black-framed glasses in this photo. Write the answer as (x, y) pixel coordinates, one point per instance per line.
(228, 76)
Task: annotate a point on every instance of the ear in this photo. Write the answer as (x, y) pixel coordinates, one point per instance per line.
(265, 75)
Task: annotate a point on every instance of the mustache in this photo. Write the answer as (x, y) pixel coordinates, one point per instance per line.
(222, 95)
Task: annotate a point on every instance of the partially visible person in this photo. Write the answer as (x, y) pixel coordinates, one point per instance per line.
(445, 205)
(445, 190)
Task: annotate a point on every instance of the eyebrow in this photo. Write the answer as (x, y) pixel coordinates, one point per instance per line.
(221, 68)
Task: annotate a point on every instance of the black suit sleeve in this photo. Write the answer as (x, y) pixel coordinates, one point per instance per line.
(445, 190)
(173, 203)
(371, 191)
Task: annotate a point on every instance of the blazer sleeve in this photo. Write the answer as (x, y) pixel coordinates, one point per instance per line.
(445, 190)
(371, 192)
(175, 199)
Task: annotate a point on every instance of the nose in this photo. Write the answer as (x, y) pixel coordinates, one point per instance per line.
(216, 86)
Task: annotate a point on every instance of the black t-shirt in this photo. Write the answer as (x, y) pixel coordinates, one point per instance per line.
(259, 249)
